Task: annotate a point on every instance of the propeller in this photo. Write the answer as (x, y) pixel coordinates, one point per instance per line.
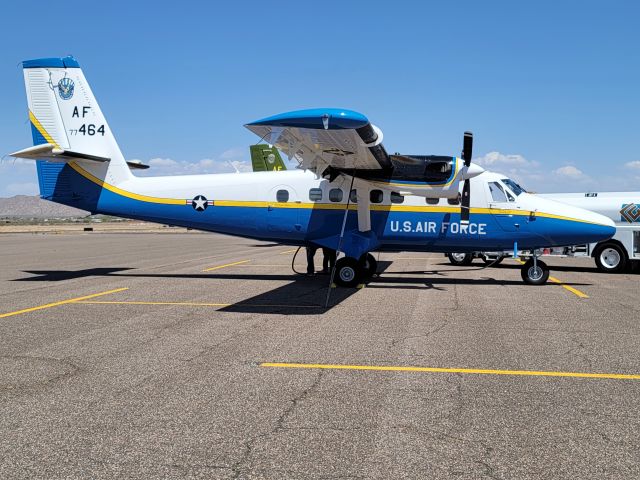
(467, 151)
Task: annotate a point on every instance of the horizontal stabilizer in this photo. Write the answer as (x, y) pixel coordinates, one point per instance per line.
(137, 164)
(52, 153)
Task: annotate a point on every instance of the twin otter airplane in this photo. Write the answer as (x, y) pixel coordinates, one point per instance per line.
(348, 195)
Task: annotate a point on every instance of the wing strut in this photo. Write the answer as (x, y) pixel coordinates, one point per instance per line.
(344, 224)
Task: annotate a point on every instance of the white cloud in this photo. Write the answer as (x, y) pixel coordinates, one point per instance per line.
(524, 171)
(162, 163)
(535, 177)
(26, 188)
(496, 159)
(570, 171)
(634, 165)
(229, 161)
(17, 177)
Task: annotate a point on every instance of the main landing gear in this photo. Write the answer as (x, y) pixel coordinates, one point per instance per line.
(350, 272)
(534, 271)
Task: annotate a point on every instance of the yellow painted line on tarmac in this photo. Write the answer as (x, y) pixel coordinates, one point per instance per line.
(287, 251)
(62, 302)
(194, 304)
(569, 288)
(477, 371)
(218, 267)
(266, 265)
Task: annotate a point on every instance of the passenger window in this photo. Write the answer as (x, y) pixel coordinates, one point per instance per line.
(454, 201)
(396, 197)
(375, 196)
(282, 196)
(497, 193)
(433, 201)
(353, 196)
(335, 195)
(315, 194)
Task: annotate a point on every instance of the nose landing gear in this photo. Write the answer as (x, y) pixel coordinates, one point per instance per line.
(534, 271)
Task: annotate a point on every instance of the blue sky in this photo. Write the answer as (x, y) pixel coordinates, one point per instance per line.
(550, 89)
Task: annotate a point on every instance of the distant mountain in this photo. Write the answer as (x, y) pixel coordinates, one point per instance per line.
(25, 206)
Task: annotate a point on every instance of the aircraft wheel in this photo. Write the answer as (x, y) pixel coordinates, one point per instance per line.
(611, 258)
(348, 272)
(460, 259)
(369, 265)
(535, 275)
(493, 261)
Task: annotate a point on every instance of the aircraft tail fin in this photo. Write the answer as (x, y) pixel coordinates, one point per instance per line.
(265, 158)
(68, 123)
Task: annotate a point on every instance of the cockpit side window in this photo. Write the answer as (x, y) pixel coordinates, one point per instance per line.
(515, 188)
(510, 197)
(497, 192)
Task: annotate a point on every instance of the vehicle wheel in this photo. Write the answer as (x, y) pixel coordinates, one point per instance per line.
(611, 258)
(369, 265)
(348, 272)
(535, 276)
(460, 259)
(493, 261)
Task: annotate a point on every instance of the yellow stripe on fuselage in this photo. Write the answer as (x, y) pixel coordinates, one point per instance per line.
(125, 193)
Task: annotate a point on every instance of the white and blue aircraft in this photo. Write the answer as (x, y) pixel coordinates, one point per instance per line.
(349, 194)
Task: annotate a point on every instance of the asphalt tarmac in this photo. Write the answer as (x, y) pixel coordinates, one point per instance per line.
(204, 356)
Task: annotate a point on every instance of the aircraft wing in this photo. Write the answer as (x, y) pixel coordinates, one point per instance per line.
(322, 138)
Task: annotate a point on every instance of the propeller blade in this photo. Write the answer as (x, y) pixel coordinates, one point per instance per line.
(465, 206)
(467, 148)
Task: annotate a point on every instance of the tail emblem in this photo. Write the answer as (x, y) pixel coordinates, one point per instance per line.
(65, 88)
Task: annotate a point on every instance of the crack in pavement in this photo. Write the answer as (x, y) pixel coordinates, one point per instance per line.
(250, 444)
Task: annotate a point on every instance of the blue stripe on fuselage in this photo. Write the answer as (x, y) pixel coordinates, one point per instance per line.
(400, 230)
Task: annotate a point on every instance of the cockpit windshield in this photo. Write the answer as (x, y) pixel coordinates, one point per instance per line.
(513, 186)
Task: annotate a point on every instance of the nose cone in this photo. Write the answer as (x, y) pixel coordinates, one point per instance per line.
(595, 228)
(473, 170)
(577, 226)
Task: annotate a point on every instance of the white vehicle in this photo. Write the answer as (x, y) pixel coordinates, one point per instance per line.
(623, 208)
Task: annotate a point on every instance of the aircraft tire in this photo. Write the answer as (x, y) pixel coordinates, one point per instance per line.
(460, 259)
(348, 272)
(611, 258)
(532, 276)
(369, 265)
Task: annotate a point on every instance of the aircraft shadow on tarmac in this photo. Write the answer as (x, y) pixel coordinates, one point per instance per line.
(308, 293)
(60, 275)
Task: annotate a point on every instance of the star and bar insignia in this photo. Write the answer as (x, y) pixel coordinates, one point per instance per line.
(199, 203)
